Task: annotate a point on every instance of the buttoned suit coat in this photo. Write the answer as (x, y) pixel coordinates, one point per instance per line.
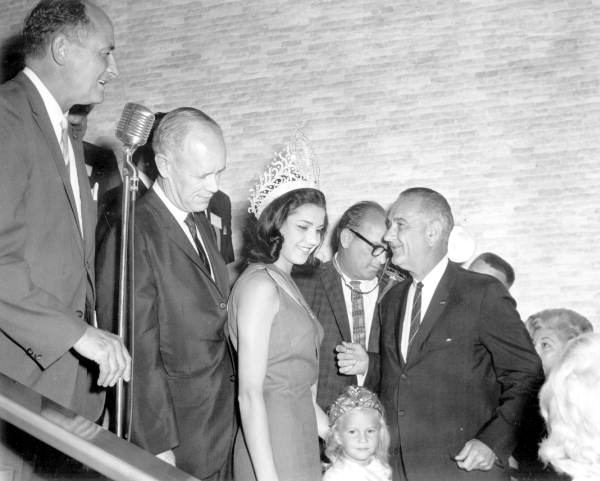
(46, 267)
(183, 385)
(468, 374)
(322, 289)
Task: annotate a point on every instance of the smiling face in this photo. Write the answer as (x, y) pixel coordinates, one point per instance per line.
(549, 346)
(190, 174)
(302, 233)
(410, 236)
(358, 433)
(88, 62)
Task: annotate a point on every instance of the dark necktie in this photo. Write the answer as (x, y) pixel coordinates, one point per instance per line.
(190, 221)
(358, 314)
(415, 317)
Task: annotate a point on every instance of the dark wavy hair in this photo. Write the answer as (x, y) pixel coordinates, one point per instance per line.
(50, 17)
(267, 239)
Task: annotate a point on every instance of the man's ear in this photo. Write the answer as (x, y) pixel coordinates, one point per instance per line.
(345, 237)
(162, 165)
(59, 48)
(434, 231)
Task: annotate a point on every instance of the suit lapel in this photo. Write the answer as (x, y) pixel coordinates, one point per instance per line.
(216, 260)
(398, 316)
(41, 118)
(174, 230)
(434, 312)
(176, 234)
(335, 294)
(88, 213)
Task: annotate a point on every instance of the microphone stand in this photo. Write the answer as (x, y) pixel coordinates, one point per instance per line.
(125, 305)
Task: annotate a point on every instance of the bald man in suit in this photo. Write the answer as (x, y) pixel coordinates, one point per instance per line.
(183, 390)
(457, 365)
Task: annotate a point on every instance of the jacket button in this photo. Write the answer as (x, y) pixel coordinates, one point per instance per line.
(401, 412)
(403, 376)
(79, 314)
(222, 305)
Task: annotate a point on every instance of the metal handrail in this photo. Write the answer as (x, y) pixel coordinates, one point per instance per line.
(80, 438)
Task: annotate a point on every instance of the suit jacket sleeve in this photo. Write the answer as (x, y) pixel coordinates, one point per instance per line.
(32, 317)
(517, 366)
(153, 421)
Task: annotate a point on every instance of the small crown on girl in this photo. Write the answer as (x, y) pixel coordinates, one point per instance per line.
(293, 168)
(354, 397)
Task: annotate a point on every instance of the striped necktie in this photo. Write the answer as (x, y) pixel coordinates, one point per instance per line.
(415, 317)
(358, 314)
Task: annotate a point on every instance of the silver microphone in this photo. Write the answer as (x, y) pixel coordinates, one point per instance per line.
(134, 125)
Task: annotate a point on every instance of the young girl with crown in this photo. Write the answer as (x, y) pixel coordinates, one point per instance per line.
(273, 330)
(358, 439)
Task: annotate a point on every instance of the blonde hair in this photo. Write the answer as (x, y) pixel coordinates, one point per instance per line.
(566, 323)
(569, 405)
(355, 398)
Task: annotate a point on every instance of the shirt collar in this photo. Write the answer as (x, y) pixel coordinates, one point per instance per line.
(180, 215)
(364, 284)
(54, 111)
(433, 277)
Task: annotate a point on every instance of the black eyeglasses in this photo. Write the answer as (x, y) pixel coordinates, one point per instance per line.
(377, 249)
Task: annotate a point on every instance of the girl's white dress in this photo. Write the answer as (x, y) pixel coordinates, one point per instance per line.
(348, 470)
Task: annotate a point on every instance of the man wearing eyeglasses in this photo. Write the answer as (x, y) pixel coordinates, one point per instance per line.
(343, 294)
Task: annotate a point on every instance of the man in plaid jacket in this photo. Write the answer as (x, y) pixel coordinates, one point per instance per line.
(344, 294)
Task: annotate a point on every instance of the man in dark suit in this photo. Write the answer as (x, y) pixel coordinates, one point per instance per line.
(47, 217)
(343, 293)
(100, 163)
(457, 365)
(183, 384)
(47, 336)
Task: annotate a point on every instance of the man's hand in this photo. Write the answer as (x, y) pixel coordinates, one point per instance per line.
(167, 457)
(475, 455)
(352, 358)
(108, 351)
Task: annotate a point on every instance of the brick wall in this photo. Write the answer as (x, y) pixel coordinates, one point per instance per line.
(494, 103)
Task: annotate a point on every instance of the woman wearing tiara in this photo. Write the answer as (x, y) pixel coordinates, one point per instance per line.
(276, 335)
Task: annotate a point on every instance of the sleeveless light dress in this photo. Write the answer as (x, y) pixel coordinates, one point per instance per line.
(292, 368)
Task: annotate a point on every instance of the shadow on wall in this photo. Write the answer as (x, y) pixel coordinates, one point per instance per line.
(11, 58)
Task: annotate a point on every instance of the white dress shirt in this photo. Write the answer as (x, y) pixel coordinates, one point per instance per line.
(430, 283)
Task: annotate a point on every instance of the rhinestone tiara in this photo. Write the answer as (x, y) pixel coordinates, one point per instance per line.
(354, 397)
(293, 168)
